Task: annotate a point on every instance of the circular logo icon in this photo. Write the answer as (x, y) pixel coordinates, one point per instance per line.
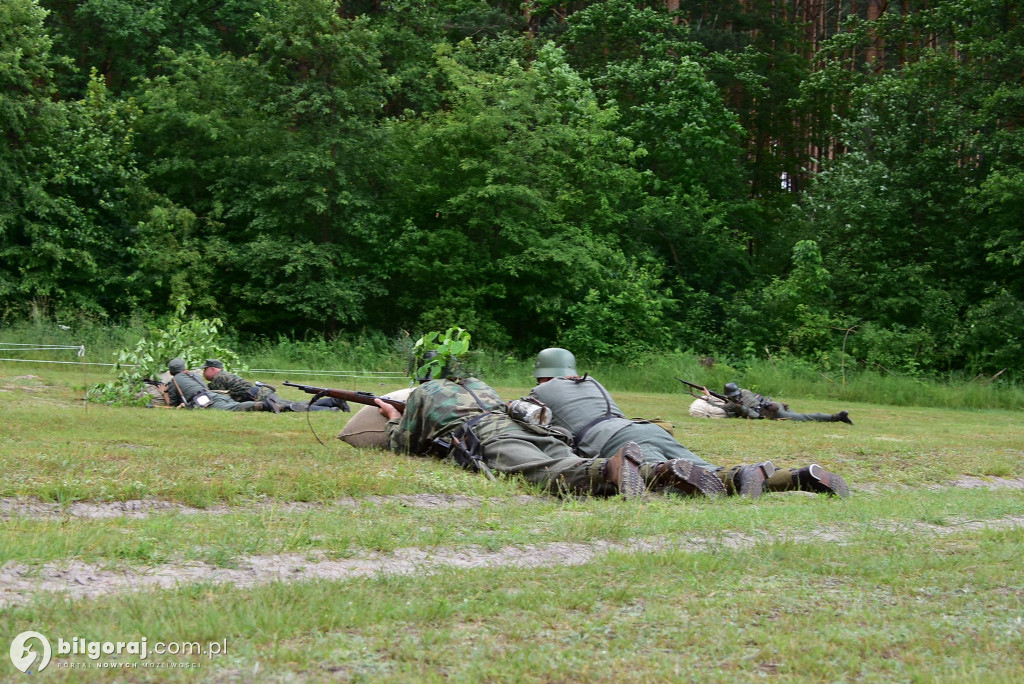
(23, 656)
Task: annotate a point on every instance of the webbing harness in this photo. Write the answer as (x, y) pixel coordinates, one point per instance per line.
(466, 448)
(577, 439)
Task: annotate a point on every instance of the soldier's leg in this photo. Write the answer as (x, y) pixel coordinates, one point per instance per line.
(783, 414)
(223, 403)
(657, 445)
(547, 461)
(747, 480)
(329, 404)
(667, 463)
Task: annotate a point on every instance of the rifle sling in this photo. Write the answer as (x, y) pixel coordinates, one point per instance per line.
(181, 395)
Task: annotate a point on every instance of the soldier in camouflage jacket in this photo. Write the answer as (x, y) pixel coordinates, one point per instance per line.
(240, 389)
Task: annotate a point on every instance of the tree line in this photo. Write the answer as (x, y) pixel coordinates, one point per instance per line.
(826, 180)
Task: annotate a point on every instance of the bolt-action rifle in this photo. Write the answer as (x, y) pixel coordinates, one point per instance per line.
(465, 450)
(716, 395)
(346, 395)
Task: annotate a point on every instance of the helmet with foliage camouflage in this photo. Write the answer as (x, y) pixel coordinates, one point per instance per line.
(425, 370)
(436, 354)
(554, 362)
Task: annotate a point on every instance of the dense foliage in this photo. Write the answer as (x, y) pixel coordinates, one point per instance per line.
(737, 179)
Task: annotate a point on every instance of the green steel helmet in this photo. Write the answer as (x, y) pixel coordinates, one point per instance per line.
(732, 389)
(421, 371)
(176, 365)
(555, 362)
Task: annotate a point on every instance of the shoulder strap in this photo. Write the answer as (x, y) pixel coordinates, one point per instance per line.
(577, 439)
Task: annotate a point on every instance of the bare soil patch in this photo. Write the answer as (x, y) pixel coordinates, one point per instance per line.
(78, 580)
(140, 508)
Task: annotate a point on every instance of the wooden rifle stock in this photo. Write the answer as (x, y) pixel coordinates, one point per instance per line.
(366, 398)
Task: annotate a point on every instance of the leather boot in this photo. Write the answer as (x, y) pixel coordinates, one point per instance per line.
(812, 478)
(623, 470)
(688, 478)
(749, 480)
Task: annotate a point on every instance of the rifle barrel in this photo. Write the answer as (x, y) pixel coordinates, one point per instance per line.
(366, 398)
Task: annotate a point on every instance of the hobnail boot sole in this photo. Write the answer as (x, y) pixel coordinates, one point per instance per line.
(817, 479)
(631, 482)
(693, 479)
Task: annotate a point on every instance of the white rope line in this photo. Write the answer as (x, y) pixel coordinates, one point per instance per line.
(77, 363)
(371, 375)
(13, 346)
(41, 346)
(341, 373)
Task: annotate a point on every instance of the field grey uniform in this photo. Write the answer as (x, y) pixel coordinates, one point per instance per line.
(584, 408)
(753, 405)
(185, 386)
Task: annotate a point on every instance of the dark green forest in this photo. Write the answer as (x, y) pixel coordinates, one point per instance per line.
(742, 179)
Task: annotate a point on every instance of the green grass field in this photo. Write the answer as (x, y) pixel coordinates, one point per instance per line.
(303, 562)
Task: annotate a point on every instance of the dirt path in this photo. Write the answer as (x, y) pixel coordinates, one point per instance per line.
(141, 508)
(78, 580)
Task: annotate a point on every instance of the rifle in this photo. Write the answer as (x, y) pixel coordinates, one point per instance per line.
(716, 395)
(465, 451)
(347, 395)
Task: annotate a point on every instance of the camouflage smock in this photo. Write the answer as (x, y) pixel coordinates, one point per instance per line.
(437, 408)
(238, 388)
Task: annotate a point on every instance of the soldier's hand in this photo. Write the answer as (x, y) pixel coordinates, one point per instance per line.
(386, 409)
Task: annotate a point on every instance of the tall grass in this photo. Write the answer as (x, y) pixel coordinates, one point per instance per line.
(368, 351)
(100, 340)
(793, 379)
(785, 379)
